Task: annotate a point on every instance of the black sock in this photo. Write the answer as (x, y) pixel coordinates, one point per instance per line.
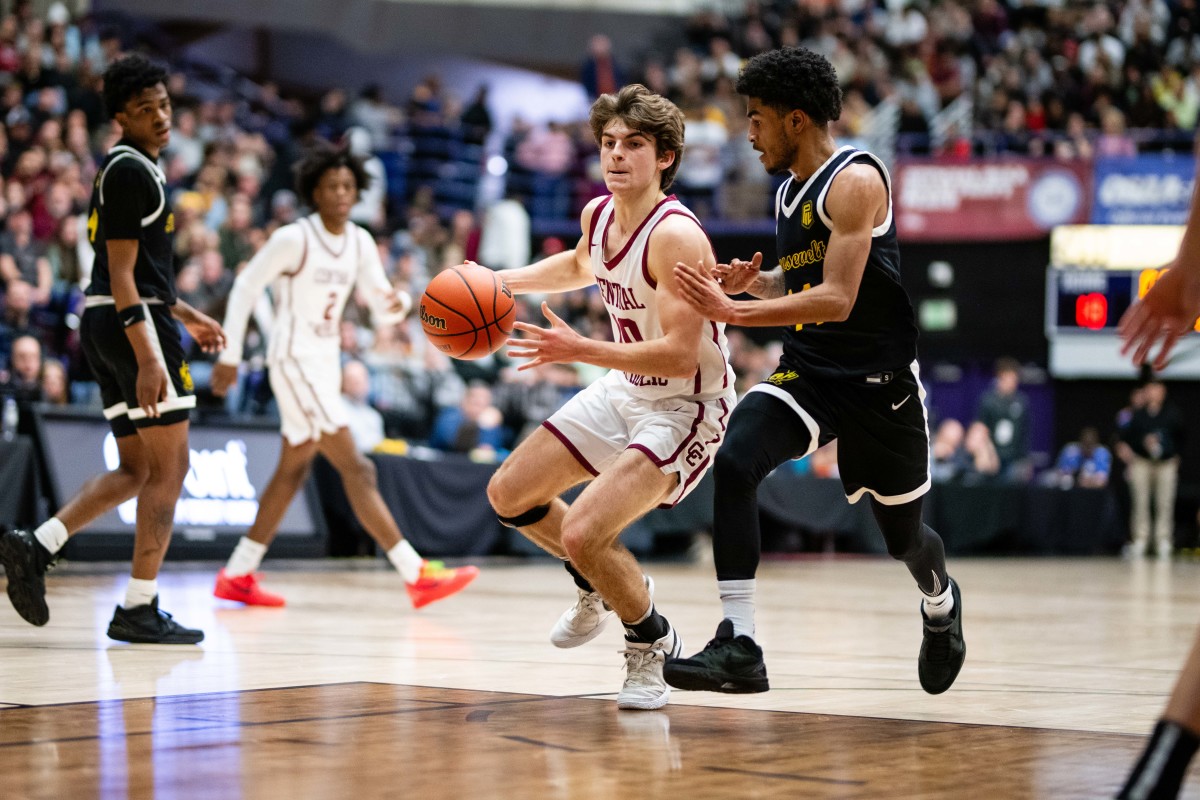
(580, 581)
(651, 629)
(1159, 772)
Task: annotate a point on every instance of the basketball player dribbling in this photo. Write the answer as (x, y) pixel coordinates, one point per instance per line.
(644, 434)
(136, 355)
(313, 265)
(848, 372)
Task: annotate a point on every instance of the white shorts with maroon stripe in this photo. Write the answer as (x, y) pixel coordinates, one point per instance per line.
(309, 396)
(677, 434)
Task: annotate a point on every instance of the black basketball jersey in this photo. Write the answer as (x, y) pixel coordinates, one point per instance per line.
(880, 335)
(129, 201)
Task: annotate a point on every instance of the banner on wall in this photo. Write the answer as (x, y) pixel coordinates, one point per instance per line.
(1152, 189)
(948, 200)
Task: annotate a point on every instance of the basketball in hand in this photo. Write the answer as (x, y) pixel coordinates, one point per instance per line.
(467, 312)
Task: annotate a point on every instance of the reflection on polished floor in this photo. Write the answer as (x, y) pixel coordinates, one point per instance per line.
(347, 692)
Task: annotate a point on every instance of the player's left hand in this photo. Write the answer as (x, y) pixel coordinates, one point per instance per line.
(207, 332)
(558, 344)
(700, 289)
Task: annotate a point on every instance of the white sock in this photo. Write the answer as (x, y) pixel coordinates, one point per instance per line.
(140, 593)
(52, 534)
(939, 607)
(737, 604)
(405, 559)
(245, 558)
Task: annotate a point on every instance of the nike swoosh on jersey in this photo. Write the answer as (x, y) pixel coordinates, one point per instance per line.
(896, 406)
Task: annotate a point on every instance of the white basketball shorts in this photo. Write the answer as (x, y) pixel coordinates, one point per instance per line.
(309, 396)
(678, 434)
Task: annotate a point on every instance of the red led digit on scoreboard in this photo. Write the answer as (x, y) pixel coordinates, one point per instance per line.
(1091, 311)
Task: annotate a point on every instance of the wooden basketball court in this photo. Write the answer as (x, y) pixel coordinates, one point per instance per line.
(348, 693)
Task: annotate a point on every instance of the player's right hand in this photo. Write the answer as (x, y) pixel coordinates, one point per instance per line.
(151, 388)
(737, 276)
(223, 376)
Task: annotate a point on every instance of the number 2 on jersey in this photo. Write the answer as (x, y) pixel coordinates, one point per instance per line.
(333, 298)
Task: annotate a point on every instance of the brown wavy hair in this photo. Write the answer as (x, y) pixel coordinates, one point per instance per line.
(645, 112)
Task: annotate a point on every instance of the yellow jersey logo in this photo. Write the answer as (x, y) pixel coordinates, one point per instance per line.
(781, 377)
(93, 223)
(170, 223)
(806, 214)
(185, 375)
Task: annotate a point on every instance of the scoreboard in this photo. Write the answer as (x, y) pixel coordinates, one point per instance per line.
(1096, 273)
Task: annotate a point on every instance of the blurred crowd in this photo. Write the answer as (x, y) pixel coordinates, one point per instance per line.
(1041, 72)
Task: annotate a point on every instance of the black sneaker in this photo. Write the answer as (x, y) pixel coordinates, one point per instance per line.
(149, 625)
(729, 664)
(943, 649)
(25, 563)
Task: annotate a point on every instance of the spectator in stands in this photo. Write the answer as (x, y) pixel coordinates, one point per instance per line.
(55, 386)
(22, 258)
(376, 116)
(67, 270)
(1113, 142)
(475, 424)
(701, 173)
(504, 238)
(186, 148)
(463, 244)
(1085, 463)
(365, 423)
(983, 462)
(369, 211)
(233, 237)
(949, 459)
(22, 378)
(476, 119)
(600, 73)
(547, 151)
(1004, 411)
(527, 398)
(1151, 444)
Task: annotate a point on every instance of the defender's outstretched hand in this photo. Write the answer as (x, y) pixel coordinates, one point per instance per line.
(1167, 312)
(702, 292)
(737, 276)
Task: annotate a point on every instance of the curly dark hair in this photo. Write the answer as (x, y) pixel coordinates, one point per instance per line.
(791, 78)
(321, 159)
(128, 77)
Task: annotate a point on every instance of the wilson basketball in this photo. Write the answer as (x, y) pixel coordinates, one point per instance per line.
(467, 312)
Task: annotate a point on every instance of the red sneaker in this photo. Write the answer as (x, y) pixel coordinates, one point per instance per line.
(437, 582)
(245, 589)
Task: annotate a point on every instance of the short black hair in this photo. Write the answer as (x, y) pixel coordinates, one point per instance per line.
(128, 77)
(320, 160)
(791, 78)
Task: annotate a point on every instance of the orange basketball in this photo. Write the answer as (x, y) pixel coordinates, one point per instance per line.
(467, 311)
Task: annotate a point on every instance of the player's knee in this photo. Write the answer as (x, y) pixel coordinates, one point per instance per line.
(135, 474)
(732, 470)
(577, 541)
(364, 471)
(508, 502)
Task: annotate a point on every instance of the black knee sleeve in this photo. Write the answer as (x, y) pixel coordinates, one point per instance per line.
(530, 517)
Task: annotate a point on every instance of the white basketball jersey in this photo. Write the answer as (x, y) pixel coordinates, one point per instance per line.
(628, 290)
(311, 273)
(309, 299)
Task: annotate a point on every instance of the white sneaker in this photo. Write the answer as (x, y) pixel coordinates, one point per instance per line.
(645, 688)
(583, 621)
